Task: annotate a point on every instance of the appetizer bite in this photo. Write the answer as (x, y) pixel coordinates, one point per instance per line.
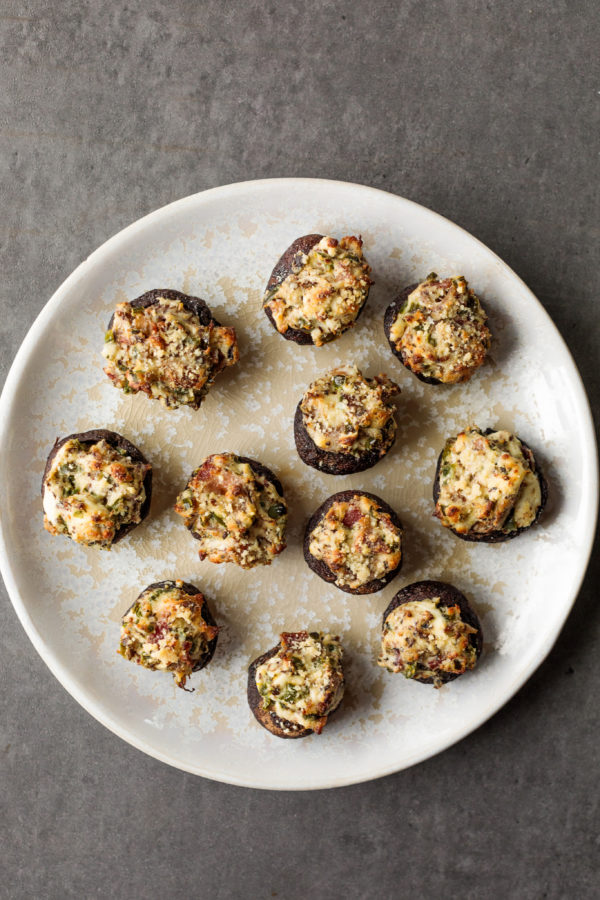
(438, 330)
(169, 628)
(354, 540)
(488, 486)
(234, 506)
(345, 422)
(317, 289)
(96, 487)
(430, 633)
(295, 686)
(169, 346)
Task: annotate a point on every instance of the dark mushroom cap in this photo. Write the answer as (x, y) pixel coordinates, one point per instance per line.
(88, 438)
(277, 726)
(495, 537)
(191, 591)
(389, 318)
(322, 569)
(327, 461)
(449, 596)
(195, 305)
(290, 262)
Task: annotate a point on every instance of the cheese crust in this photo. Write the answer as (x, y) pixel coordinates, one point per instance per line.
(163, 350)
(303, 682)
(235, 510)
(440, 331)
(427, 640)
(324, 294)
(358, 542)
(487, 484)
(166, 630)
(344, 412)
(92, 491)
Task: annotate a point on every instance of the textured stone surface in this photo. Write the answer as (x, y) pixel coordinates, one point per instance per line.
(487, 113)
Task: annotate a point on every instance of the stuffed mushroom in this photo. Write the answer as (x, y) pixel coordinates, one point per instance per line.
(430, 634)
(488, 486)
(438, 330)
(318, 289)
(345, 422)
(169, 628)
(96, 487)
(169, 346)
(354, 540)
(235, 508)
(294, 687)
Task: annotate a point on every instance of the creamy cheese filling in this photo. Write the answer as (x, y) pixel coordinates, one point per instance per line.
(440, 330)
(164, 350)
(303, 682)
(323, 297)
(237, 514)
(487, 483)
(344, 412)
(426, 639)
(358, 541)
(92, 491)
(165, 629)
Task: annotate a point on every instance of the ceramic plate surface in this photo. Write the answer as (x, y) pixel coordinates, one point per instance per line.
(221, 245)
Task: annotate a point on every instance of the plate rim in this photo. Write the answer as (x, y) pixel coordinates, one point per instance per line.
(8, 399)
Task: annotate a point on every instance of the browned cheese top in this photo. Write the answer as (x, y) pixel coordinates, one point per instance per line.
(487, 483)
(165, 351)
(237, 513)
(344, 412)
(303, 682)
(323, 297)
(427, 639)
(91, 491)
(357, 540)
(165, 630)
(441, 330)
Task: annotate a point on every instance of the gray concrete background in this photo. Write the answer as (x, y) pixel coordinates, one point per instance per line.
(485, 112)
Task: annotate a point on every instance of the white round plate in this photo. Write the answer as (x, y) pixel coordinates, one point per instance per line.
(221, 245)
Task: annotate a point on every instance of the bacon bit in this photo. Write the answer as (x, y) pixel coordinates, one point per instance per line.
(353, 514)
(289, 638)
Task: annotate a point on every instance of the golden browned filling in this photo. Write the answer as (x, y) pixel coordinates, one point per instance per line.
(303, 682)
(440, 330)
(165, 629)
(91, 491)
(237, 513)
(323, 297)
(165, 351)
(357, 540)
(487, 483)
(425, 639)
(344, 412)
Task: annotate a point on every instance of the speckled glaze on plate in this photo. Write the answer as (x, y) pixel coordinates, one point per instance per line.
(221, 245)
